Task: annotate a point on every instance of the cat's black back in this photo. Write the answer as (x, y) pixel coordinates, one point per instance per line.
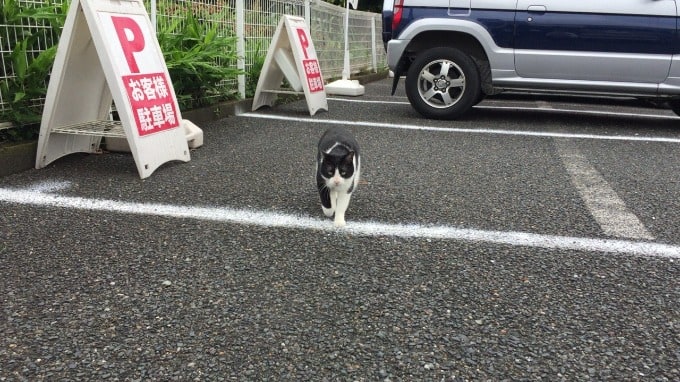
(339, 141)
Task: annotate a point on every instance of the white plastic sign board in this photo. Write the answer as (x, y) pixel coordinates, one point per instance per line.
(108, 51)
(291, 55)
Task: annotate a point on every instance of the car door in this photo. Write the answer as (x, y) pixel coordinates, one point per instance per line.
(619, 41)
(459, 7)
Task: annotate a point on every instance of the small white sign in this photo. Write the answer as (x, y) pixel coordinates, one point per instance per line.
(291, 55)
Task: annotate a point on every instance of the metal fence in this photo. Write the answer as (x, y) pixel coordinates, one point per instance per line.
(253, 22)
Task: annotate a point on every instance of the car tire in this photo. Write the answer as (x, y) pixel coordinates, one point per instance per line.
(443, 83)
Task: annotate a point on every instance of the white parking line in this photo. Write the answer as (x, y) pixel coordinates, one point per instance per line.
(602, 201)
(542, 106)
(355, 100)
(604, 204)
(540, 134)
(33, 196)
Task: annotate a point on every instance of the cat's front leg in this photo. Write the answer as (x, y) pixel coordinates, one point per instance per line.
(327, 206)
(333, 197)
(340, 207)
(327, 211)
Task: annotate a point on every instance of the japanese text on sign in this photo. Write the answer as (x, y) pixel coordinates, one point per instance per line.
(313, 75)
(153, 105)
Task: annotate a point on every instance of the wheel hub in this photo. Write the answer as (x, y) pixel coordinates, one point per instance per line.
(441, 83)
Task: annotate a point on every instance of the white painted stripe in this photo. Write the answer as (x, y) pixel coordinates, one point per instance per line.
(50, 186)
(544, 105)
(581, 111)
(273, 219)
(352, 100)
(541, 107)
(602, 201)
(540, 134)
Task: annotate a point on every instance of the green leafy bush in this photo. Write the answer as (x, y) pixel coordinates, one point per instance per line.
(254, 71)
(199, 60)
(28, 66)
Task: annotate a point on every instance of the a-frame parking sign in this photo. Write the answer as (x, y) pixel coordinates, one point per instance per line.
(108, 51)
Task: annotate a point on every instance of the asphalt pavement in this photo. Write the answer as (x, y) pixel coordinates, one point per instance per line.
(473, 251)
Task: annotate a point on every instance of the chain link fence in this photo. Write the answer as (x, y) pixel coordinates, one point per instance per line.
(252, 22)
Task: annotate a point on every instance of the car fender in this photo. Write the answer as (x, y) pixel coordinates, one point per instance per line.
(500, 59)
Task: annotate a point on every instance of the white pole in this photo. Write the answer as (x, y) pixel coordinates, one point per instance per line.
(345, 69)
(345, 86)
(153, 15)
(241, 46)
(374, 46)
(308, 13)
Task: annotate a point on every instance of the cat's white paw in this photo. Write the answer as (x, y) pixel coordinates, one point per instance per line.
(339, 223)
(328, 211)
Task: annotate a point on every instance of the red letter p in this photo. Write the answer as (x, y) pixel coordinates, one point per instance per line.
(134, 42)
(302, 36)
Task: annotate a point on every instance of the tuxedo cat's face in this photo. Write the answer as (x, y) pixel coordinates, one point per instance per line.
(337, 170)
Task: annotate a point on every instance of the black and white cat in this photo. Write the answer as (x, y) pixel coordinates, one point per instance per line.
(337, 172)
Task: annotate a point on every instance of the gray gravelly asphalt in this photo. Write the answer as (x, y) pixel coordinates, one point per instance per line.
(91, 295)
(119, 297)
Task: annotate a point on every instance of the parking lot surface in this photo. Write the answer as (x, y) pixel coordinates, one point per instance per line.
(534, 239)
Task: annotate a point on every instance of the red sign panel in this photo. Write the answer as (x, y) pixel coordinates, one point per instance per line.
(313, 74)
(153, 105)
(311, 64)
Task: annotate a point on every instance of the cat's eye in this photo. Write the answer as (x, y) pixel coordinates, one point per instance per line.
(343, 173)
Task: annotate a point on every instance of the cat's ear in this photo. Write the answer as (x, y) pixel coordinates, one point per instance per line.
(349, 158)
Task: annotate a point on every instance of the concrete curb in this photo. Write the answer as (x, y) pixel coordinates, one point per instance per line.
(17, 157)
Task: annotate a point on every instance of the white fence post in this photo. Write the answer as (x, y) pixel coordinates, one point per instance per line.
(153, 16)
(374, 46)
(241, 46)
(308, 13)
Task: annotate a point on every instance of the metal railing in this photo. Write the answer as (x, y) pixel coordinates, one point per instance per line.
(253, 22)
